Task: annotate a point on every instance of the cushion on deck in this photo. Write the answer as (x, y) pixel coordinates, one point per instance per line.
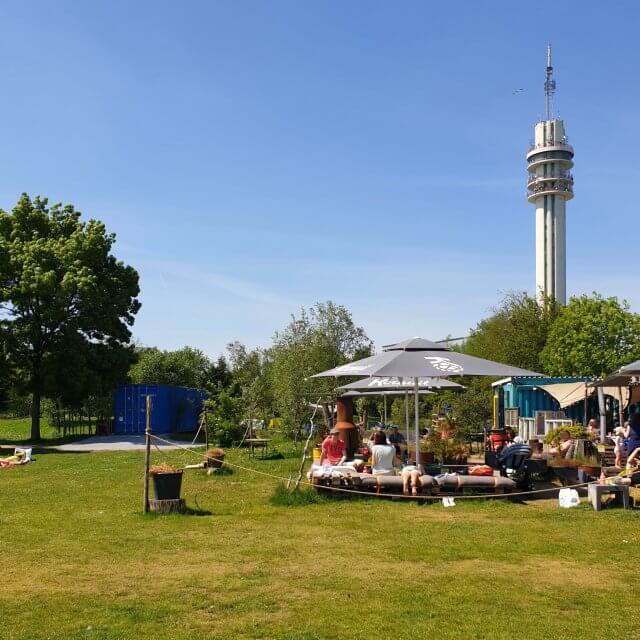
(453, 482)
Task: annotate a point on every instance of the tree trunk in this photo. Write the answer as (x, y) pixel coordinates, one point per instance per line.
(35, 416)
(327, 414)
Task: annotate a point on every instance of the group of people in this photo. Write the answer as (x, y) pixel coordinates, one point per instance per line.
(387, 455)
(626, 441)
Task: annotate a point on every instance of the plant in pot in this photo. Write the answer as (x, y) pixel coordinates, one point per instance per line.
(453, 452)
(167, 481)
(215, 457)
(589, 465)
(427, 455)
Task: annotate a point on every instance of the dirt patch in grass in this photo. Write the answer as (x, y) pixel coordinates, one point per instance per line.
(536, 573)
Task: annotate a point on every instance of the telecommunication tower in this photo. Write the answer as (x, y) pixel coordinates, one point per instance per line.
(549, 186)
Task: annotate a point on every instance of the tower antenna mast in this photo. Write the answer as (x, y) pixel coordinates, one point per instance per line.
(549, 85)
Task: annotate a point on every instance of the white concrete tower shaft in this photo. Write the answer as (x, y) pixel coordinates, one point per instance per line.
(549, 186)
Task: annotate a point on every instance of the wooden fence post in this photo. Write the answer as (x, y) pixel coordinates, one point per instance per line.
(147, 455)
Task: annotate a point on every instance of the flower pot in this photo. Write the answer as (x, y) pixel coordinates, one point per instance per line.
(567, 474)
(167, 486)
(426, 457)
(215, 458)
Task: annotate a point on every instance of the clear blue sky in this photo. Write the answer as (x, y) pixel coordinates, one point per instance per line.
(253, 157)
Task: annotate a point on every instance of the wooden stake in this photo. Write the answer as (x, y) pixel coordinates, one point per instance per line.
(147, 456)
(304, 458)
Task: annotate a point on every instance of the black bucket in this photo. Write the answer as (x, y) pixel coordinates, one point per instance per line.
(167, 485)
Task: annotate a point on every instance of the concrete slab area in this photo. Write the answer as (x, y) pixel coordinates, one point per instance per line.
(120, 443)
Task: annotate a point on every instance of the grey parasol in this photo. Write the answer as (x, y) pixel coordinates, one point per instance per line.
(400, 384)
(419, 358)
(623, 377)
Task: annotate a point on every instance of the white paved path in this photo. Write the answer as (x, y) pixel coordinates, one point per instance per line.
(120, 443)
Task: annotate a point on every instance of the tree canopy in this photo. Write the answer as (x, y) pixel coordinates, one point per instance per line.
(67, 302)
(186, 367)
(592, 336)
(322, 337)
(515, 333)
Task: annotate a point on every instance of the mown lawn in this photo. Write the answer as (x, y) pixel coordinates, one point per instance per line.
(18, 431)
(80, 561)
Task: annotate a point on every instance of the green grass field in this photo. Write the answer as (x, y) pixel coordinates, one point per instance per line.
(79, 560)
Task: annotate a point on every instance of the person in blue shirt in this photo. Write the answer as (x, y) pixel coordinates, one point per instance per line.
(632, 434)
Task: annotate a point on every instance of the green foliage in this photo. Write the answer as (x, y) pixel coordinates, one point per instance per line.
(444, 449)
(577, 432)
(68, 303)
(474, 406)
(515, 333)
(323, 337)
(251, 377)
(593, 336)
(186, 367)
(224, 413)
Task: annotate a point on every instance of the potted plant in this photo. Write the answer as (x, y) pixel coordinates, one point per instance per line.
(566, 469)
(167, 481)
(427, 455)
(215, 457)
(457, 453)
(589, 465)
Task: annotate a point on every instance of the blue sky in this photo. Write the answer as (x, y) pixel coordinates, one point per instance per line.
(253, 157)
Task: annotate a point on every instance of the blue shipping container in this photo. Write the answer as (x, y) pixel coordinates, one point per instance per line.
(526, 394)
(174, 409)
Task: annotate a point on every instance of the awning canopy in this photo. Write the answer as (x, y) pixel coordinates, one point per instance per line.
(568, 393)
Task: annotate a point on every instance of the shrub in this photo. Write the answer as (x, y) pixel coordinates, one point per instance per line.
(577, 432)
(223, 418)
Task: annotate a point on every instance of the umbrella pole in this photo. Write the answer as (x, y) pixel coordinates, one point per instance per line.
(406, 415)
(586, 402)
(416, 389)
(620, 409)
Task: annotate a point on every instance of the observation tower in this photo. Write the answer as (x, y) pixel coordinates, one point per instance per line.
(549, 186)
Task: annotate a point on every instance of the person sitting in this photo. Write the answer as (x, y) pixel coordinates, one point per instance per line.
(372, 437)
(334, 450)
(411, 479)
(383, 455)
(398, 441)
(593, 429)
(498, 440)
(565, 446)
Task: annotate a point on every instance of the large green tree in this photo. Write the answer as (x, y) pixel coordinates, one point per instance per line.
(592, 337)
(186, 367)
(251, 371)
(515, 333)
(320, 338)
(67, 303)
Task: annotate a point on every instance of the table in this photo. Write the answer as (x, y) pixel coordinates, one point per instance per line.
(596, 491)
(257, 443)
(476, 438)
